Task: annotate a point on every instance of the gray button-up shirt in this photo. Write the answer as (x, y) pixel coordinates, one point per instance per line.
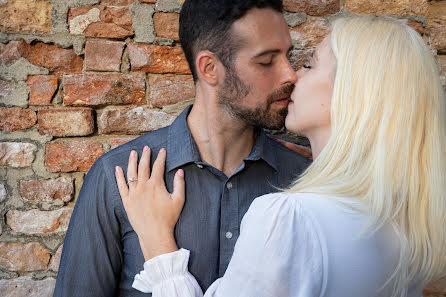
(101, 253)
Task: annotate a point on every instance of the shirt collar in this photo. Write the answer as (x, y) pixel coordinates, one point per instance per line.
(263, 149)
(182, 148)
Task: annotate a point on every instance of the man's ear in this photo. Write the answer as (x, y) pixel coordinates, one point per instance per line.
(207, 67)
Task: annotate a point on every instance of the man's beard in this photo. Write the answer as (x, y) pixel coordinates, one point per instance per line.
(233, 91)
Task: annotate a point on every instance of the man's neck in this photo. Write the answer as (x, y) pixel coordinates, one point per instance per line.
(223, 142)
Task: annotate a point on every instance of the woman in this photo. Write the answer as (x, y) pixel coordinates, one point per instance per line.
(367, 218)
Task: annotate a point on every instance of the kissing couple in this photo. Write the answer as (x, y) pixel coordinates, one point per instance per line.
(215, 205)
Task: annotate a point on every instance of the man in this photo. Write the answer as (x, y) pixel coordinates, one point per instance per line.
(238, 54)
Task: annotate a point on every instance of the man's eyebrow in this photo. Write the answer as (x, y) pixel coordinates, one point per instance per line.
(271, 51)
(274, 51)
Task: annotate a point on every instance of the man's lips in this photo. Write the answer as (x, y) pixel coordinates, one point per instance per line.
(282, 101)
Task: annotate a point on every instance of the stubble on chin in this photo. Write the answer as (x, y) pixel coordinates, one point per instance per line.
(232, 94)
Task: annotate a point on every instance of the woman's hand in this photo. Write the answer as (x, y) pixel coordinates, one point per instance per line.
(151, 209)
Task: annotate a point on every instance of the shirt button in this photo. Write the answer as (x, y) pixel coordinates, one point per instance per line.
(229, 185)
(228, 235)
(200, 166)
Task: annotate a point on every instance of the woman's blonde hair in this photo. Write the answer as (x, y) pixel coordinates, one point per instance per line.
(388, 138)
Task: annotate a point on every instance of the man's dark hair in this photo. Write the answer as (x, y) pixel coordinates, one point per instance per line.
(206, 24)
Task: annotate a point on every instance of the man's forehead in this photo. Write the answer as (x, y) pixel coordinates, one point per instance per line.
(259, 21)
(262, 27)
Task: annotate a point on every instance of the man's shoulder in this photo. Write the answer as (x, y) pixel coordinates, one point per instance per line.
(284, 154)
(119, 155)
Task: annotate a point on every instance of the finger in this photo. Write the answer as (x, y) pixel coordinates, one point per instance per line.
(120, 180)
(131, 169)
(144, 165)
(158, 166)
(178, 193)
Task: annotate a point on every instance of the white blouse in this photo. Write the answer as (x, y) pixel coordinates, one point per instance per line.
(292, 245)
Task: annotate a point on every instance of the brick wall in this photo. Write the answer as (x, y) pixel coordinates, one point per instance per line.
(80, 77)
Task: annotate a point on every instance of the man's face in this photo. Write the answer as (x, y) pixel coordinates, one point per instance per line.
(258, 84)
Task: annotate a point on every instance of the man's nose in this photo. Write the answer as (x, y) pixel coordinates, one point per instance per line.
(289, 76)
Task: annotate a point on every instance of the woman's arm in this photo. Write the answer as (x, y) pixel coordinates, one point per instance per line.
(277, 254)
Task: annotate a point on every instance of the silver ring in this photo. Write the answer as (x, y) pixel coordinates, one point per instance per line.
(131, 179)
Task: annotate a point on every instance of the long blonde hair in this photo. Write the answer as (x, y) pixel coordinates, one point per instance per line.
(388, 138)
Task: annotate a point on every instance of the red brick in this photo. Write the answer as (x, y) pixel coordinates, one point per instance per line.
(47, 190)
(313, 7)
(26, 286)
(102, 89)
(72, 155)
(412, 7)
(310, 33)
(17, 154)
(170, 89)
(157, 59)
(115, 142)
(107, 30)
(118, 2)
(66, 121)
(103, 55)
(50, 56)
(113, 22)
(11, 51)
(417, 26)
(117, 15)
(42, 89)
(16, 256)
(35, 221)
(167, 25)
(19, 15)
(436, 287)
(16, 118)
(125, 2)
(438, 38)
(132, 121)
(54, 58)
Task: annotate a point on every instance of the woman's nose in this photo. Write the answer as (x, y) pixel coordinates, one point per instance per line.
(300, 72)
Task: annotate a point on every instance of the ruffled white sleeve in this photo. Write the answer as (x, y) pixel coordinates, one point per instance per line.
(278, 253)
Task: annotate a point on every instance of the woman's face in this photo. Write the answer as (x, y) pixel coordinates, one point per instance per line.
(309, 109)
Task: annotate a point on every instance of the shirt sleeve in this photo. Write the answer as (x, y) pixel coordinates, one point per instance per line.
(92, 255)
(278, 253)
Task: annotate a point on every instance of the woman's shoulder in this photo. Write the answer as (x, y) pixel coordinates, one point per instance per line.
(284, 202)
(287, 209)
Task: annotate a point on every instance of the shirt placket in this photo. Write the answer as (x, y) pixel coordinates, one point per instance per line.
(229, 229)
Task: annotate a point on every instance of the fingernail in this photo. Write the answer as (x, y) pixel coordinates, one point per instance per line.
(133, 153)
(180, 172)
(162, 150)
(146, 148)
(117, 169)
